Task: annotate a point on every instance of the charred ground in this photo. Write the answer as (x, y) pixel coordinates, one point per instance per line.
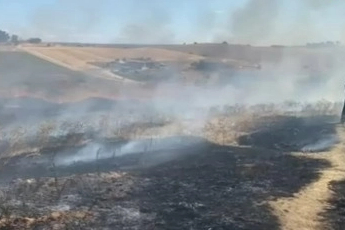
(68, 175)
(203, 186)
(335, 213)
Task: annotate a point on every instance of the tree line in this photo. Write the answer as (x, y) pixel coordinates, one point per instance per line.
(324, 44)
(14, 39)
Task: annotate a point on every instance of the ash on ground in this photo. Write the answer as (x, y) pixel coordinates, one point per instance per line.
(216, 188)
(205, 186)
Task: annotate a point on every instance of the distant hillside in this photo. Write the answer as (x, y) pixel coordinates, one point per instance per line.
(239, 53)
(253, 54)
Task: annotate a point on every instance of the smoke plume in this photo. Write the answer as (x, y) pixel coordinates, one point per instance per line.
(255, 20)
(266, 22)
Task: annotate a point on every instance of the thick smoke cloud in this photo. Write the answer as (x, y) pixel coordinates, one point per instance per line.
(266, 22)
(255, 20)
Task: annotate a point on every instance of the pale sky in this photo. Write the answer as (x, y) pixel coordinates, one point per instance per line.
(176, 21)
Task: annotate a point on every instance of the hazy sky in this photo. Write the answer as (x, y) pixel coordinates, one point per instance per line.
(176, 21)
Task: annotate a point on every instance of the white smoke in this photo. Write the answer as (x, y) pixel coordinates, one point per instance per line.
(96, 151)
(321, 145)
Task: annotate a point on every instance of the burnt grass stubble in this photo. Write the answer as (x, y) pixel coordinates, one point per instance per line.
(335, 214)
(208, 187)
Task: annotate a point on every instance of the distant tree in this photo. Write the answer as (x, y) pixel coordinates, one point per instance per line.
(4, 36)
(224, 42)
(14, 39)
(34, 40)
(195, 43)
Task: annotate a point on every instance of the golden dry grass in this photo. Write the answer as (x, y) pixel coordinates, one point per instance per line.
(303, 210)
(78, 58)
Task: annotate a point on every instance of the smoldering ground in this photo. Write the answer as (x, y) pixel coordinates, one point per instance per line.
(306, 77)
(175, 109)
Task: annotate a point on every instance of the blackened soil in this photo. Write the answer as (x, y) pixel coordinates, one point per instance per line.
(293, 133)
(335, 215)
(213, 187)
(207, 186)
(223, 188)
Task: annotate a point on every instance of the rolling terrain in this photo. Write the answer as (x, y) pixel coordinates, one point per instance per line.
(25, 75)
(83, 146)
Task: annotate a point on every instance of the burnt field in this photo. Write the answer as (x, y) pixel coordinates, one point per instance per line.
(210, 187)
(291, 135)
(183, 158)
(335, 213)
(140, 177)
